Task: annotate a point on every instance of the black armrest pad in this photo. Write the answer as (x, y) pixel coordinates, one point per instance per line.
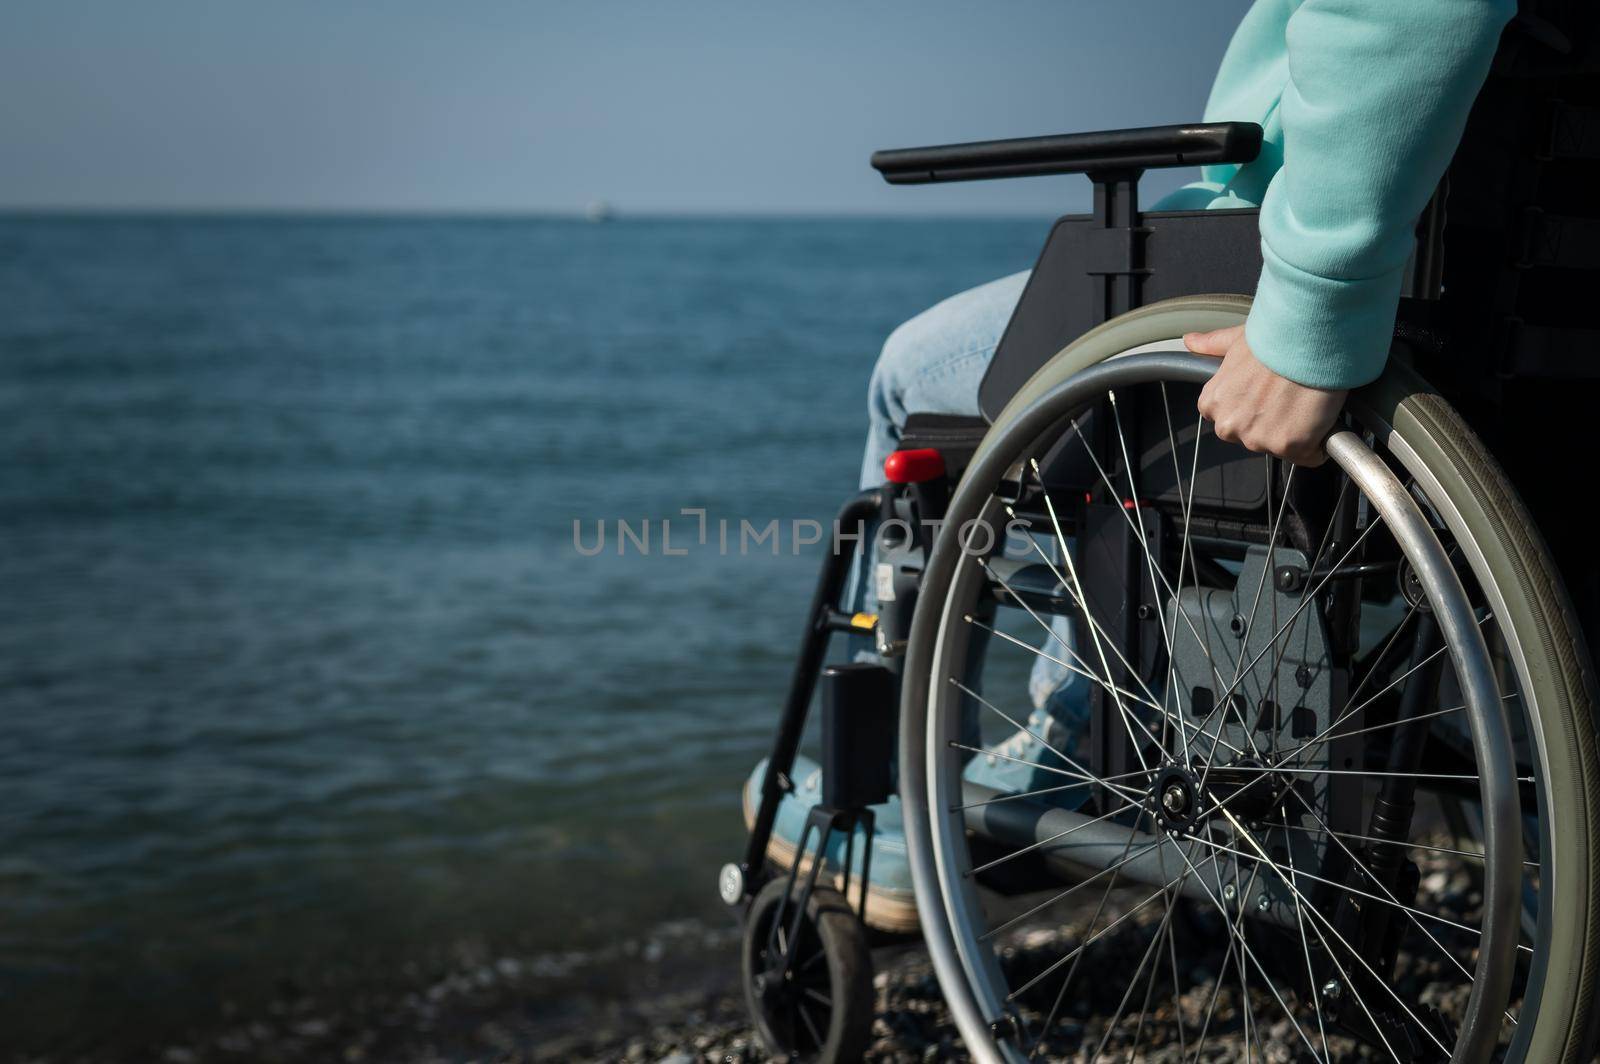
(1072, 153)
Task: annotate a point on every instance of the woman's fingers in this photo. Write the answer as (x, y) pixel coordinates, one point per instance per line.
(1214, 343)
(1250, 405)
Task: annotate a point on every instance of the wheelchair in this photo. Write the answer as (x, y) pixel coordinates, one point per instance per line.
(1339, 793)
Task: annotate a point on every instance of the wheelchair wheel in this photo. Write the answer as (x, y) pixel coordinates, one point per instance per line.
(807, 976)
(1339, 794)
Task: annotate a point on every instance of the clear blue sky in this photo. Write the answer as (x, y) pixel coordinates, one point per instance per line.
(669, 105)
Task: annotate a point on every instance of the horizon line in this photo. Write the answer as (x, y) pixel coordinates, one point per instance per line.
(518, 213)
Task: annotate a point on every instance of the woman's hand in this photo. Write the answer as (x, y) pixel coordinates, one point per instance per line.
(1249, 404)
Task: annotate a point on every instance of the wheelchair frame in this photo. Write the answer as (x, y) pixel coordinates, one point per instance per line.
(1091, 269)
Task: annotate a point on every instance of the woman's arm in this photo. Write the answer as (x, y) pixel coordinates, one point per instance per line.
(1377, 97)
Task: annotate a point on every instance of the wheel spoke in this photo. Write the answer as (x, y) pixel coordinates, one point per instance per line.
(1110, 869)
(1188, 517)
(1144, 542)
(1123, 791)
(1324, 735)
(1316, 915)
(1342, 886)
(1061, 993)
(1177, 1000)
(1164, 937)
(1476, 856)
(1117, 692)
(1127, 994)
(1094, 632)
(1150, 697)
(1138, 532)
(1378, 727)
(1392, 900)
(1411, 611)
(1014, 795)
(1310, 597)
(1261, 583)
(1251, 1027)
(1216, 993)
(1305, 946)
(818, 996)
(1021, 727)
(811, 1025)
(1039, 844)
(1322, 546)
(1096, 937)
(1272, 567)
(1298, 770)
(1292, 1020)
(1185, 552)
(1096, 636)
(1127, 714)
(1246, 952)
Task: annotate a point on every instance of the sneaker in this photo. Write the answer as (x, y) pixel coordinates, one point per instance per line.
(891, 903)
(1024, 761)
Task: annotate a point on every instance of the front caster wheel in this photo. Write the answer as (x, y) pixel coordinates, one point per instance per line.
(807, 982)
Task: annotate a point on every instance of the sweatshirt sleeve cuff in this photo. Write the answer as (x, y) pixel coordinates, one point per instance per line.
(1320, 332)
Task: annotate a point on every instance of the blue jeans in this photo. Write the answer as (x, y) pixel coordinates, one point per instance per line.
(933, 364)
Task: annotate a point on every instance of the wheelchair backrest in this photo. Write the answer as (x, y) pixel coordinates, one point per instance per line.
(1521, 259)
(1167, 253)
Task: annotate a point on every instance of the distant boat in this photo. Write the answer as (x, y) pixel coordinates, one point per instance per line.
(599, 211)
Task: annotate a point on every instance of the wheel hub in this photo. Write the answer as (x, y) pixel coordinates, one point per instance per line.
(1248, 788)
(1175, 798)
(1180, 805)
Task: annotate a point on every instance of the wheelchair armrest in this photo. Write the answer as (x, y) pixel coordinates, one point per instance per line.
(1072, 153)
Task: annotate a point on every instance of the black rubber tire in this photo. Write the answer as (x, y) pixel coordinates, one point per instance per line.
(831, 925)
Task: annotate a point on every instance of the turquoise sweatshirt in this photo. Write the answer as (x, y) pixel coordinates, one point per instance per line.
(1362, 103)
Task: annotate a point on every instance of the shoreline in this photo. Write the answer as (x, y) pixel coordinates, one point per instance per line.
(673, 997)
